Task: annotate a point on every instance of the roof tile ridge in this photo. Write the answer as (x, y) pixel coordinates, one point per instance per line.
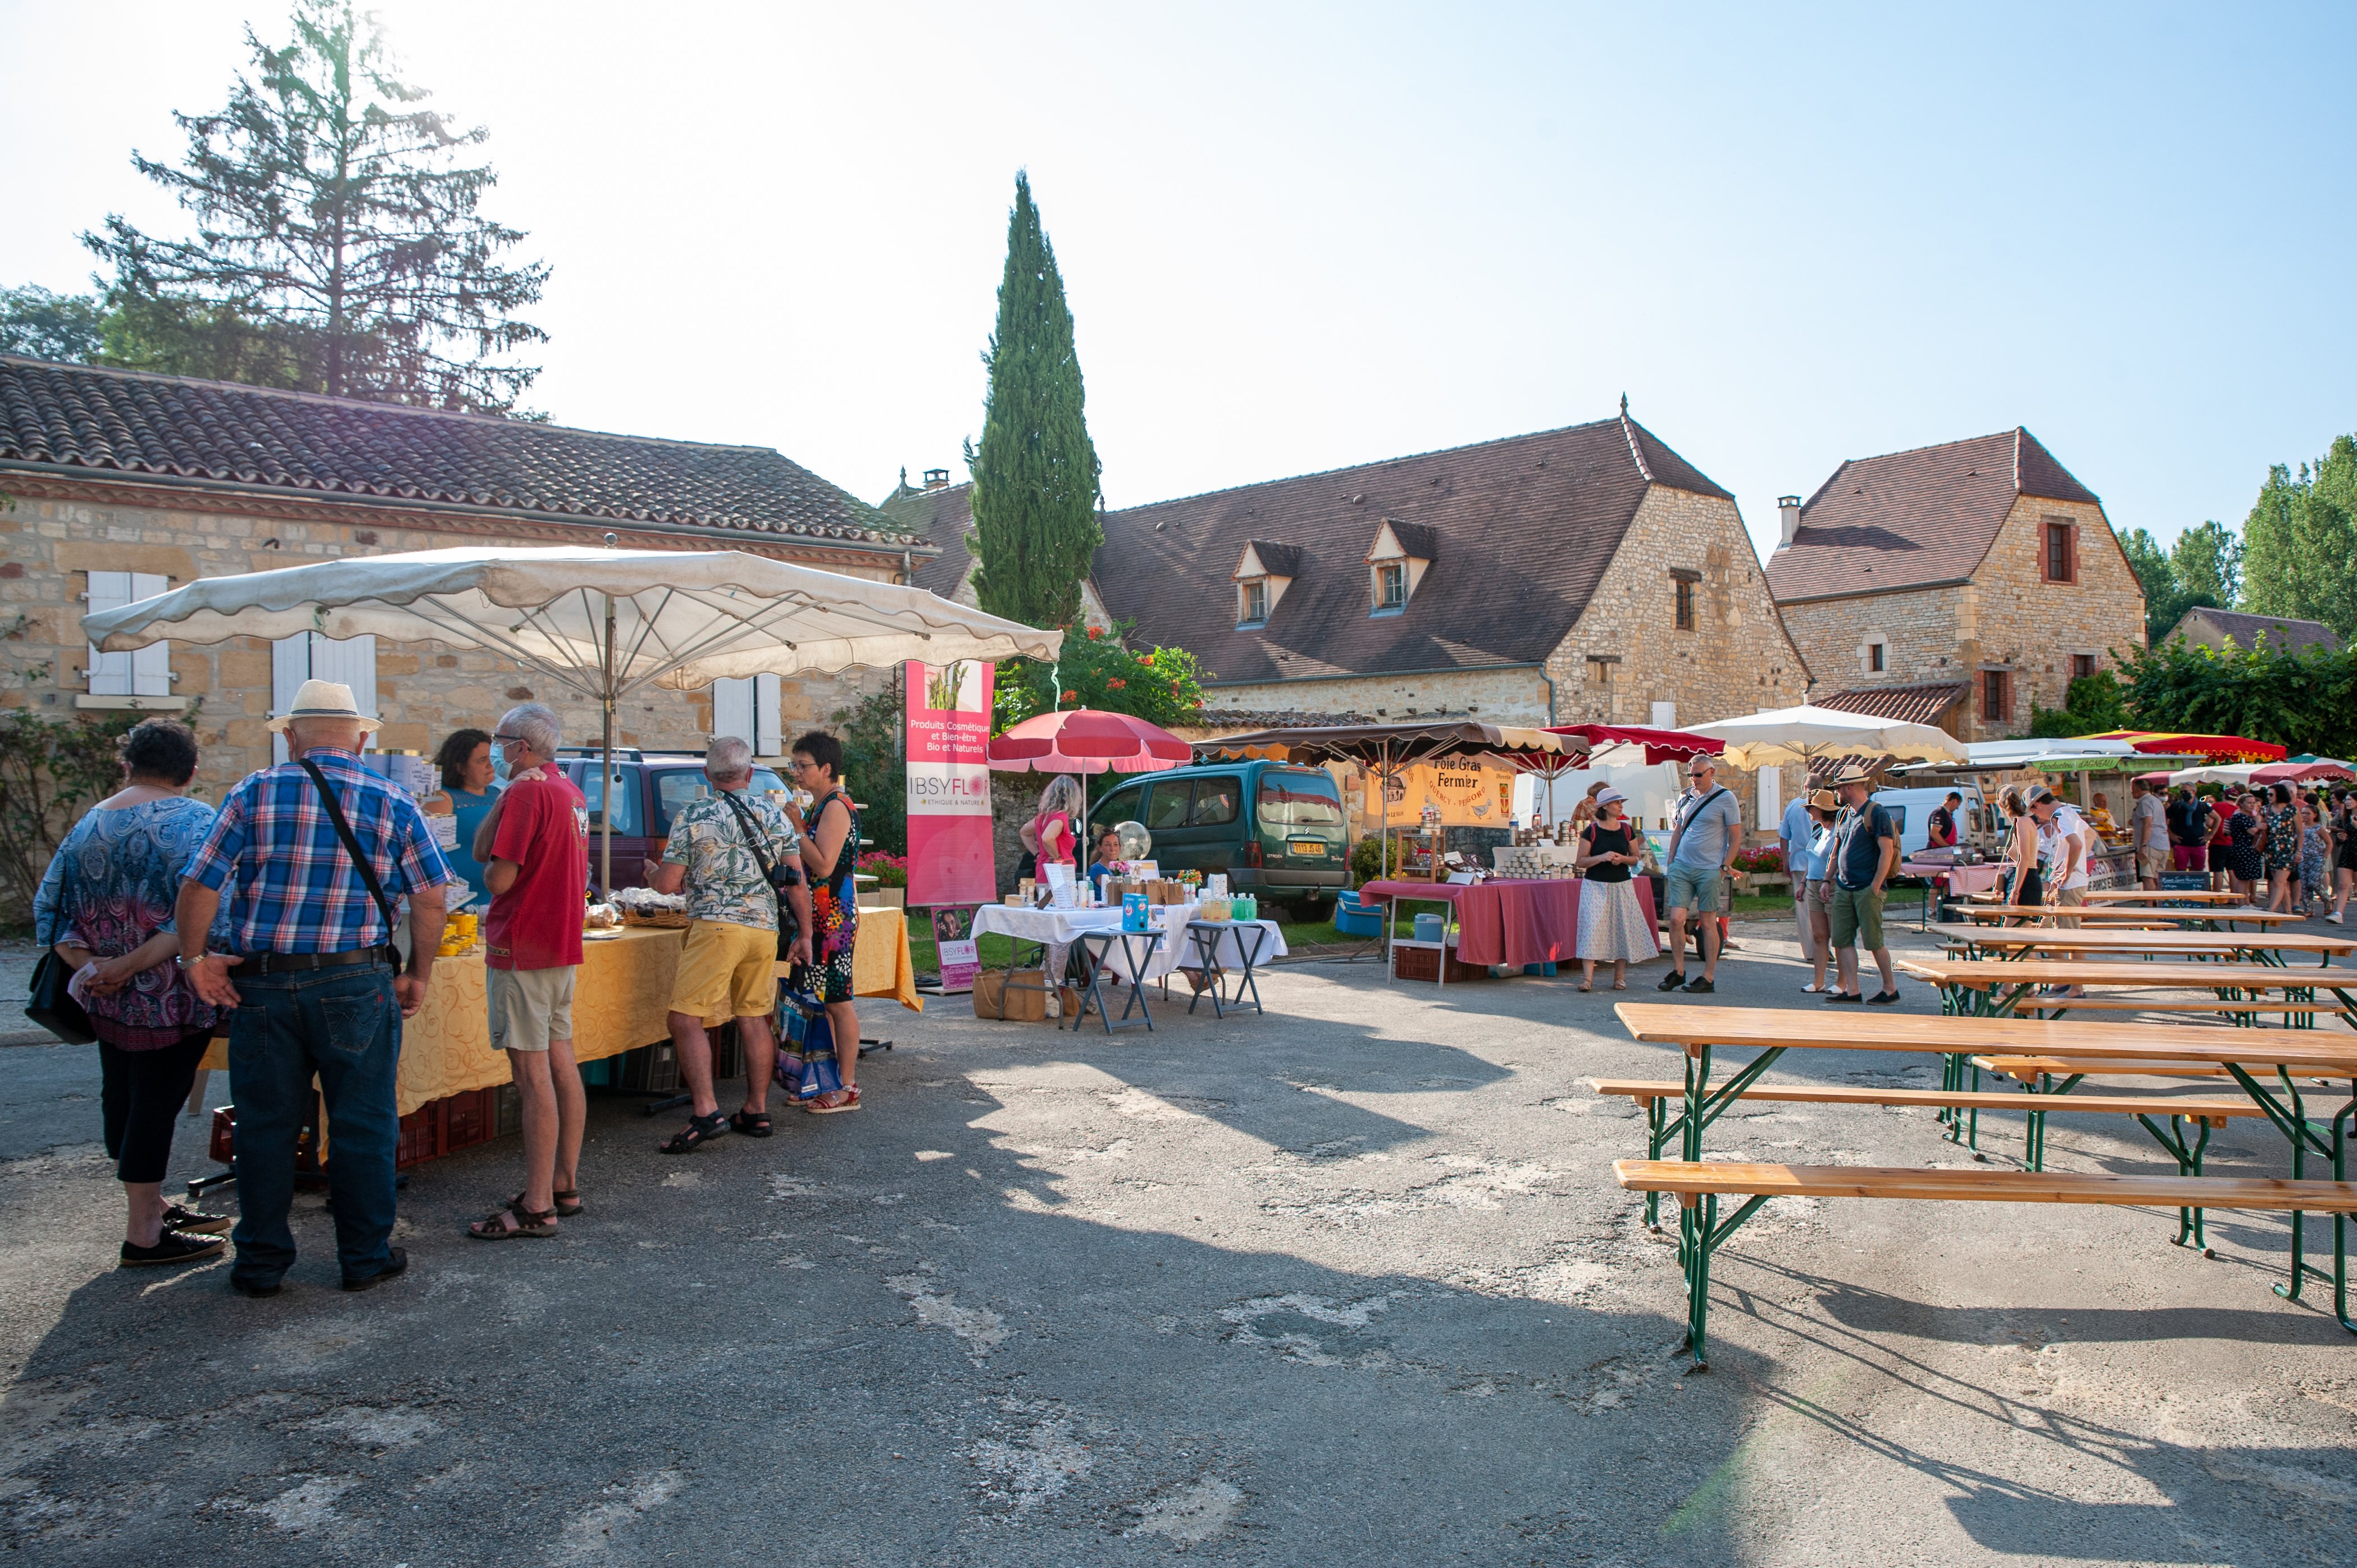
(1629, 433)
(505, 421)
(1355, 468)
(2018, 431)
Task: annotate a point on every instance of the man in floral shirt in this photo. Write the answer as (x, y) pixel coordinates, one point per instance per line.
(729, 965)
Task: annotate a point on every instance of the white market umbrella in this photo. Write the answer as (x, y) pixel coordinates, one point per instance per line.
(1806, 735)
(602, 623)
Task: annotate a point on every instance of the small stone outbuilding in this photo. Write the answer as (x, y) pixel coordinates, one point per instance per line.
(123, 485)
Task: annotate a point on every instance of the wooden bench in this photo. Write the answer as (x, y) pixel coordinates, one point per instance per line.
(2184, 1144)
(1699, 1185)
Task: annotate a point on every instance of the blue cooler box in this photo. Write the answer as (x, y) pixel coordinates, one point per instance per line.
(1353, 918)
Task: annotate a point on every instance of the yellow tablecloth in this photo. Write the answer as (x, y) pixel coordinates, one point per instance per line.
(621, 1001)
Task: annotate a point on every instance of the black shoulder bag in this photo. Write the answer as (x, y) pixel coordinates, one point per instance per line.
(779, 877)
(353, 848)
(52, 1006)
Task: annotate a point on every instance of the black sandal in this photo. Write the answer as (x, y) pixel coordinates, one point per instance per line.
(752, 1123)
(567, 1201)
(699, 1131)
(537, 1226)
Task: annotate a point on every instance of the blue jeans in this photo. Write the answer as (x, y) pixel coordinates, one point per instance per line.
(344, 1026)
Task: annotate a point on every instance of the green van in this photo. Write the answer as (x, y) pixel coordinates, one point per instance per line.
(1275, 830)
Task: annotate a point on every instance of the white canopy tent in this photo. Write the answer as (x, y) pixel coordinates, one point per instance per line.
(1806, 735)
(602, 623)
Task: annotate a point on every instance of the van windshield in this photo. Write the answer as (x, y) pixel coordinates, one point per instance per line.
(1302, 800)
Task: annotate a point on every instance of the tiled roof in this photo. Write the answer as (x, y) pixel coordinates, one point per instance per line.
(944, 517)
(1277, 560)
(1234, 721)
(1521, 531)
(125, 423)
(2282, 634)
(1911, 519)
(1909, 704)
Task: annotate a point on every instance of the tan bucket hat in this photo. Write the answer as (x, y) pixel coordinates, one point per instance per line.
(324, 700)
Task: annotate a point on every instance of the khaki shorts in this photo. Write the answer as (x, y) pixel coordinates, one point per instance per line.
(2070, 898)
(1692, 889)
(727, 972)
(1858, 917)
(530, 1007)
(2152, 861)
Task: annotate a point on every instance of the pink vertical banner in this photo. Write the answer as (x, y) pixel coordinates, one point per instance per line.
(948, 712)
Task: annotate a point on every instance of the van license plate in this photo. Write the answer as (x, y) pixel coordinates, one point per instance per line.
(1308, 846)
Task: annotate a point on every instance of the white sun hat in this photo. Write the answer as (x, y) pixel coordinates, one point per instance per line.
(324, 700)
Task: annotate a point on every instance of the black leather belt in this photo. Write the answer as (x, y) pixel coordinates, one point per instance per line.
(294, 963)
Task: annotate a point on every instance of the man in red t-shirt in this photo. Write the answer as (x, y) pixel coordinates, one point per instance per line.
(534, 846)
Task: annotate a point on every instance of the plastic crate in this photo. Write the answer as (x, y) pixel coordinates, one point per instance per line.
(421, 1137)
(509, 1115)
(1420, 963)
(469, 1119)
(650, 1070)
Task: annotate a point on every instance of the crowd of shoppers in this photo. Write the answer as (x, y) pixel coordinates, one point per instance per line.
(275, 919)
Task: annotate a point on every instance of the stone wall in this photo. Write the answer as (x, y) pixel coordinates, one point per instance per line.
(2008, 616)
(49, 545)
(1495, 696)
(1738, 659)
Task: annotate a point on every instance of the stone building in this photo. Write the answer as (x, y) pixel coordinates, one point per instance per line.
(1955, 585)
(943, 513)
(124, 485)
(2223, 630)
(1588, 573)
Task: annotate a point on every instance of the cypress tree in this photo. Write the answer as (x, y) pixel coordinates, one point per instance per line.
(1035, 474)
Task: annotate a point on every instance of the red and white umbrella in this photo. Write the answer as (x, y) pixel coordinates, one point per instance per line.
(1086, 740)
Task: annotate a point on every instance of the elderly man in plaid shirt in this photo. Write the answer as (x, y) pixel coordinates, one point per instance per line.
(314, 988)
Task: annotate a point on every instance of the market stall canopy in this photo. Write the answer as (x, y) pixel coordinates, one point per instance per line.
(678, 618)
(2261, 774)
(1086, 740)
(1660, 744)
(2219, 748)
(1809, 735)
(2041, 756)
(1393, 745)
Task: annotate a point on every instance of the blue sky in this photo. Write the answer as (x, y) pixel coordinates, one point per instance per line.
(1302, 236)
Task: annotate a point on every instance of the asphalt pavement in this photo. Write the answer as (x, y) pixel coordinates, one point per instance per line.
(1346, 1283)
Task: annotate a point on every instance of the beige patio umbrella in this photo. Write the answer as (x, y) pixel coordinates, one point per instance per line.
(602, 623)
(1806, 733)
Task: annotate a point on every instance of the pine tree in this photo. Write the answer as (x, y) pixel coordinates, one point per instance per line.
(339, 245)
(1035, 474)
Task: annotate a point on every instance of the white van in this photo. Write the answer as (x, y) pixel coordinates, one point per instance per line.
(1913, 809)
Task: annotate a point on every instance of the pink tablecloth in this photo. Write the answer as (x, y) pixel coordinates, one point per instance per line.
(1508, 921)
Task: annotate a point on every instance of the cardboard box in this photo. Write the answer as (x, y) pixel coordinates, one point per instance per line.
(1013, 996)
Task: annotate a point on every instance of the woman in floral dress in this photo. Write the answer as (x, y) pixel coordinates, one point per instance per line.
(2283, 847)
(106, 905)
(830, 849)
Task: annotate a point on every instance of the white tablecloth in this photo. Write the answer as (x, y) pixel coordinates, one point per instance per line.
(1176, 949)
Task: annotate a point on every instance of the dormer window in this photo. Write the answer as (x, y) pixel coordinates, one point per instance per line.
(1261, 575)
(1252, 602)
(1402, 553)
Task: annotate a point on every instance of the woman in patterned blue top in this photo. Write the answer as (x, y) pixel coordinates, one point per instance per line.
(105, 904)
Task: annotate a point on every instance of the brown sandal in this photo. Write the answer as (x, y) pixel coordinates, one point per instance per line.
(539, 1226)
(850, 1102)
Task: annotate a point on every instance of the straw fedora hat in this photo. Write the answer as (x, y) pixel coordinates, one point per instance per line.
(1854, 774)
(324, 700)
(1826, 801)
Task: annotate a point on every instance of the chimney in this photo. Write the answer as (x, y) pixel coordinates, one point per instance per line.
(937, 478)
(1788, 507)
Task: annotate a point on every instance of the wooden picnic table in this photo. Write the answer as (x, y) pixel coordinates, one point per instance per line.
(1986, 987)
(1696, 1031)
(2130, 896)
(2108, 940)
(2132, 915)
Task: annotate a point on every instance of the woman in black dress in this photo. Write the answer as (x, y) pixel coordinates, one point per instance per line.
(2244, 834)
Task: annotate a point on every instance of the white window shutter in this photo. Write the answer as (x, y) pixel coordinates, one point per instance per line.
(732, 708)
(109, 673)
(349, 663)
(768, 698)
(151, 667)
(300, 658)
(1665, 716)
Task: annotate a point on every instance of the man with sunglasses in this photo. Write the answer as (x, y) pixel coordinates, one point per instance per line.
(1704, 836)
